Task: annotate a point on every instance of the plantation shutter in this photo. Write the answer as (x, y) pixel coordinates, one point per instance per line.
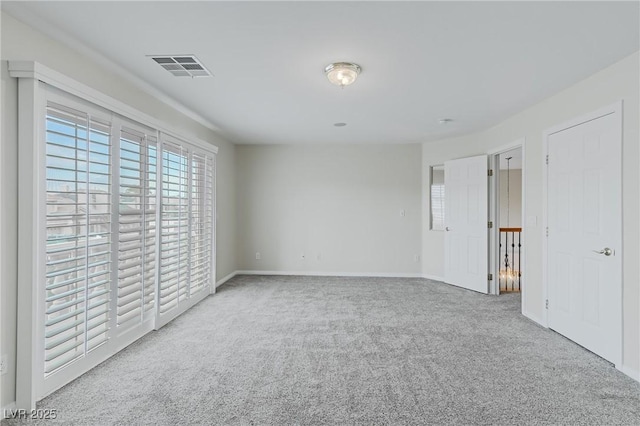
(116, 232)
(174, 243)
(151, 221)
(437, 206)
(137, 226)
(202, 170)
(78, 225)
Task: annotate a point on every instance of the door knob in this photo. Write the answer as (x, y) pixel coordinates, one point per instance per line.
(447, 229)
(606, 251)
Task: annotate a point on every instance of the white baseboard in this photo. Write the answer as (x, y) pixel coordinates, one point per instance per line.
(334, 274)
(6, 409)
(432, 277)
(225, 279)
(634, 374)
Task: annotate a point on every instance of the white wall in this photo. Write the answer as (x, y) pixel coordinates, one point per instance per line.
(513, 201)
(225, 210)
(619, 81)
(20, 42)
(339, 205)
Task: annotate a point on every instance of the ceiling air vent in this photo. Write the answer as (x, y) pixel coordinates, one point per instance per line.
(182, 65)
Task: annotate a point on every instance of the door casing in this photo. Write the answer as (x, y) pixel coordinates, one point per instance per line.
(494, 214)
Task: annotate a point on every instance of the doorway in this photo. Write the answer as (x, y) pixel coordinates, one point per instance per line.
(480, 259)
(506, 192)
(509, 221)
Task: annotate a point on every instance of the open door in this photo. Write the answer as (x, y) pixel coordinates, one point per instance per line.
(466, 221)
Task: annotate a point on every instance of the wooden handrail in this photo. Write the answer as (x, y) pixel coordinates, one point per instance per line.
(510, 229)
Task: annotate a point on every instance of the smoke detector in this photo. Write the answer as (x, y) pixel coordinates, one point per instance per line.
(182, 65)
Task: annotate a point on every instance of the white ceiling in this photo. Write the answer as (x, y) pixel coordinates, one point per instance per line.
(475, 62)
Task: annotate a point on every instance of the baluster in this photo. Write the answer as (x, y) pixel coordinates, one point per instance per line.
(510, 267)
(519, 256)
(506, 261)
(513, 259)
(499, 255)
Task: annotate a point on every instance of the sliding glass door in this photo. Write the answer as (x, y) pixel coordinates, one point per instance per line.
(126, 233)
(186, 220)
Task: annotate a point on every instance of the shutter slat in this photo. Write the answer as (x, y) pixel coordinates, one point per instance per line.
(134, 313)
(125, 293)
(127, 307)
(60, 318)
(64, 350)
(52, 308)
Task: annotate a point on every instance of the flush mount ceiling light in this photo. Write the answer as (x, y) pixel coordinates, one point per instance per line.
(342, 73)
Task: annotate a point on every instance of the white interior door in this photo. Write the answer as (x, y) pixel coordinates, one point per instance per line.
(584, 276)
(466, 219)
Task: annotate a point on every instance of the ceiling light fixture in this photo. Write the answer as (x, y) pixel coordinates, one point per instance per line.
(342, 73)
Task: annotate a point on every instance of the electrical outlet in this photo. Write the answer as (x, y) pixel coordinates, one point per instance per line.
(3, 365)
(258, 255)
(416, 258)
(403, 213)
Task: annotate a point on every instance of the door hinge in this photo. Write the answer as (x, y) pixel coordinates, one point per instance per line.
(547, 231)
(547, 159)
(490, 172)
(546, 304)
(490, 224)
(490, 277)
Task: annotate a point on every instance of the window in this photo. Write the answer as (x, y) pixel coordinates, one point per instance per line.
(78, 229)
(174, 265)
(202, 183)
(136, 226)
(437, 198)
(187, 223)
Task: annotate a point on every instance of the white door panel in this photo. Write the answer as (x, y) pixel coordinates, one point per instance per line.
(466, 218)
(584, 217)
